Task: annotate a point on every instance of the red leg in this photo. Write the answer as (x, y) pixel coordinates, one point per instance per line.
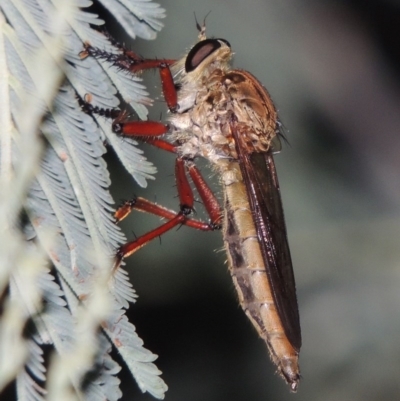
(144, 205)
(186, 205)
(210, 202)
(131, 247)
(145, 131)
(139, 128)
(142, 130)
(186, 198)
(130, 61)
(161, 144)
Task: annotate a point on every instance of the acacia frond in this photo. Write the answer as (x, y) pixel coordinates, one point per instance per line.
(56, 265)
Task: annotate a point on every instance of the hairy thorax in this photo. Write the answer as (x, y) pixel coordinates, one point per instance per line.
(209, 107)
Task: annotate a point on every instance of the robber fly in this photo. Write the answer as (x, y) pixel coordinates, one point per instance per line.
(226, 116)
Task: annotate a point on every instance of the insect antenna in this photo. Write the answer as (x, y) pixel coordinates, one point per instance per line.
(201, 28)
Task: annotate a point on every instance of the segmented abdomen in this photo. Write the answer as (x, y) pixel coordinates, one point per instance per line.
(248, 272)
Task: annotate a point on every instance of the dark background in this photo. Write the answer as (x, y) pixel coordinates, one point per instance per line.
(332, 70)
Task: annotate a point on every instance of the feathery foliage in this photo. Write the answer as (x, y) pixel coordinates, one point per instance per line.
(57, 235)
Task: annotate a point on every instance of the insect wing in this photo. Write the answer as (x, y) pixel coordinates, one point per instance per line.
(259, 174)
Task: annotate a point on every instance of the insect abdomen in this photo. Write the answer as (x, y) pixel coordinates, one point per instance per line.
(249, 275)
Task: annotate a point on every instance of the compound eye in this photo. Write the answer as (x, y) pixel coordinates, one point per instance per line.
(200, 51)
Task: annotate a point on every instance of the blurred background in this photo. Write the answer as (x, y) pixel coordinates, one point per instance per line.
(332, 69)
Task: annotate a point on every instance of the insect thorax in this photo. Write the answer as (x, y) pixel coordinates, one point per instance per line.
(209, 109)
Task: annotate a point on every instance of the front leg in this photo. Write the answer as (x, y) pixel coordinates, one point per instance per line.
(129, 61)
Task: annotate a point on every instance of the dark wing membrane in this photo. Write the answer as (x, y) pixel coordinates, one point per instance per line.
(259, 174)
